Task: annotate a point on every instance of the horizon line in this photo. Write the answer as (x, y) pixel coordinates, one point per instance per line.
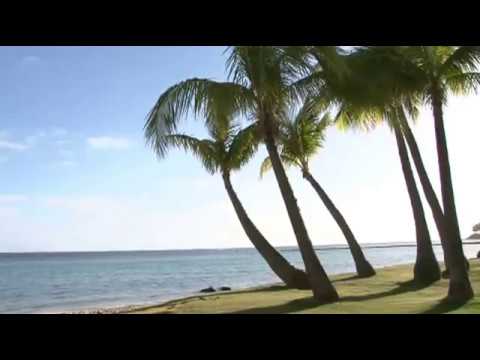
(316, 247)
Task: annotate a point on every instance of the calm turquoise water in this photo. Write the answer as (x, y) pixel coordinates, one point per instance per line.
(39, 283)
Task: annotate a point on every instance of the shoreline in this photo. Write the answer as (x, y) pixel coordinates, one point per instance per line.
(128, 309)
(125, 309)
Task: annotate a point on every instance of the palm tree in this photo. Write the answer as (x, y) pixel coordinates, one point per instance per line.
(228, 150)
(300, 138)
(438, 71)
(364, 96)
(426, 269)
(263, 82)
(430, 195)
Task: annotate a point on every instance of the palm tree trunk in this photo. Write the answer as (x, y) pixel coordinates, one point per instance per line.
(428, 190)
(364, 269)
(291, 276)
(322, 288)
(460, 288)
(426, 268)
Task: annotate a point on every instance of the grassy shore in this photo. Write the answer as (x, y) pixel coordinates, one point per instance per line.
(390, 292)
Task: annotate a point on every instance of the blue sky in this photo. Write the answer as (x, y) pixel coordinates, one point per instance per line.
(76, 174)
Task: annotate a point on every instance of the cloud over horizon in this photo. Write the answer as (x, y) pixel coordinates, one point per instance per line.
(108, 143)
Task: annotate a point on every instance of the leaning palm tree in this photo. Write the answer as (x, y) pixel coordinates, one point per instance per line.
(445, 69)
(363, 97)
(436, 72)
(229, 150)
(301, 136)
(429, 192)
(426, 269)
(380, 67)
(263, 82)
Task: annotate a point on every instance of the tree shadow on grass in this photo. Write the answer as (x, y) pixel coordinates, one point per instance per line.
(403, 287)
(353, 277)
(310, 302)
(288, 307)
(444, 306)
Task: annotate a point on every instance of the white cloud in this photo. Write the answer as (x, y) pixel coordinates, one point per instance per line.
(30, 60)
(34, 139)
(12, 145)
(7, 143)
(108, 143)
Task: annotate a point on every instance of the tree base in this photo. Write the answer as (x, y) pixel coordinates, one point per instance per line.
(325, 293)
(326, 297)
(299, 280)
(459, 292)
(365, 270)
(426, 272)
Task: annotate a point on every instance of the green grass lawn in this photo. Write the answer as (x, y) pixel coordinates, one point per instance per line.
(390, 292)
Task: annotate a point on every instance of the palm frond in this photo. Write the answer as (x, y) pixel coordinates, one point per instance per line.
(205, 150)
(213, 100)
(464, 83)
(265, 167)
(266, 164)
(463, 59)
(303, 132)
(243, 146)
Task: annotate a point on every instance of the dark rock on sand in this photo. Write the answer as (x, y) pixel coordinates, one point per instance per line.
(208, 290)
(224, 288)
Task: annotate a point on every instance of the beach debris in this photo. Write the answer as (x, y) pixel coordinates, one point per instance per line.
(208, 290)
(224, 288)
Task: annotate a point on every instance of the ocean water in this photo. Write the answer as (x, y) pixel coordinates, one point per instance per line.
(56, 282)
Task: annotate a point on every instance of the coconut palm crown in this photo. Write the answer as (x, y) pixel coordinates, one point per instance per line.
(301, 136)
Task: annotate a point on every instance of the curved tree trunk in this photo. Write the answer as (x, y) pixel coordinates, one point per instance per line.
(426, 268)
(291, 276)
(460, 288)
(364, 269)
(322, 288)
(428, 190)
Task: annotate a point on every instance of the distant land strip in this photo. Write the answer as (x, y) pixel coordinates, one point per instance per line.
(373, 246)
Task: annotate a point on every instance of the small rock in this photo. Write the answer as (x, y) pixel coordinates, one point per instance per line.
(224, 288)
(478, 255)
(208, 290)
